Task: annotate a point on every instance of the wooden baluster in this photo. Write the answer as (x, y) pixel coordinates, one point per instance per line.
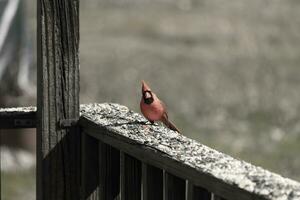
(122, 175)
(152, 182)
(174, 187)
(196, 193)
(90, 168)
(130, 177)
(109, 172)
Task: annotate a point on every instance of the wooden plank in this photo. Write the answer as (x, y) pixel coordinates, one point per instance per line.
(58, 150)
(201, 193)
(21, 117)
(216, 197)
(174, 187)
(152, 182)
(145, 185)
(109, 172)
(189, 190)
(196, 193)
(130, 178)
(122, 176)
(90, 168)
(219, 173)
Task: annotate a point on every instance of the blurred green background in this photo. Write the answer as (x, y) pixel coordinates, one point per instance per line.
(229, 71)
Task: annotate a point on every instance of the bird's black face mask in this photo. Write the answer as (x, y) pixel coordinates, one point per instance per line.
(148, 97)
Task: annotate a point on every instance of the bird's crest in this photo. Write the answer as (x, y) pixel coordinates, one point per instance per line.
(145, 86)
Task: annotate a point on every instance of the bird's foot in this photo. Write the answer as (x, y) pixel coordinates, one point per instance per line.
(153, 123)
(146, 125)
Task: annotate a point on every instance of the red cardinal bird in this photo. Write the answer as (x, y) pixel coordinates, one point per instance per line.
(153, 108)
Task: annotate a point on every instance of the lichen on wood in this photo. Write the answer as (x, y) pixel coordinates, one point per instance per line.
(17, 110)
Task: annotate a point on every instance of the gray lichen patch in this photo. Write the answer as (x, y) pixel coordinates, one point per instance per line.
(120, 120)
(20, 110)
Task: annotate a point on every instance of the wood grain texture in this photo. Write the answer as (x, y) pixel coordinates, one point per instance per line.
(109, 172)
(201, 193)
(58, 150)
(174, 187)
(207, 168)
(196, 193)
(216, 197)
(152, 182)
(21, 117)
(90, 168)
(122, 176)
(132, 178)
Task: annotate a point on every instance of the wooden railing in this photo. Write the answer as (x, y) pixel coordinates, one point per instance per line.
(112, 152)
(124, 157)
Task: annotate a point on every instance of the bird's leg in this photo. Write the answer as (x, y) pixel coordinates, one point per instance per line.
(152, 123)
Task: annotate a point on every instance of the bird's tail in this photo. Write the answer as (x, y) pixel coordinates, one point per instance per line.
(170, 125)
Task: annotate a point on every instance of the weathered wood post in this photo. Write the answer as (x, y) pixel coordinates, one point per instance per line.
(58, 140)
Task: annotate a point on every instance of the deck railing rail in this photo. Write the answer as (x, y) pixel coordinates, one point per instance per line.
(125, 157)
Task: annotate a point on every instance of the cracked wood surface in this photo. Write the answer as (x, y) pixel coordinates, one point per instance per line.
(58, 149)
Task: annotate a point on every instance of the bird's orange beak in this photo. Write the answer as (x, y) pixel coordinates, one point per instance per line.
(145, 87)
